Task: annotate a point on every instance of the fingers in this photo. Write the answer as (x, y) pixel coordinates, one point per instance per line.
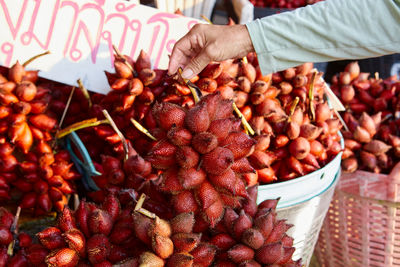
(196, 65)
(181, 54)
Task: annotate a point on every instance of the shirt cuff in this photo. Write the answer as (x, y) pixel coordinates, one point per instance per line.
(266, 60)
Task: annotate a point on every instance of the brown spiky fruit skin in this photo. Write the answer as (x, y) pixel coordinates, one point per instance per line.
(92, 235)
(255, 238)
(205, 152)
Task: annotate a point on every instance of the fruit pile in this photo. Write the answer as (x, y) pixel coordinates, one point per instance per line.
(184, 149)
(289, 125)
(283, 3)
(372, 117)
(249, 236)
(32, 170)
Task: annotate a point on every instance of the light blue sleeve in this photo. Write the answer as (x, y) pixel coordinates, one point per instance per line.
(327, 31)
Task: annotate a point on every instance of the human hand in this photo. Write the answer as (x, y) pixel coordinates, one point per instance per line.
(205, 43)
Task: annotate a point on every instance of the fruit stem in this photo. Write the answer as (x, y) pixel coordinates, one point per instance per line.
(206, 19)
(34, 58)
(138, 208)
(293, 108)
(121, 136)
(85, 92)
(14, 230)
(341, 120)
(118, 53)
(246, 125)
(311, 96)
(79, 125)
(67, 106)
(142, 129)
(76, 201)
(191, 88)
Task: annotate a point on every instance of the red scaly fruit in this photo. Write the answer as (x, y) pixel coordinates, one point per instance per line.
(51, 238)
(142, 225)
(82, 215)
(150, 259)
(184, 202)
(185, 242)
(187, 157)
(223, 241)
(270, 253)
(191, 178)
(167, 115)
(197, 119)
(6, 218)
(76, 241)
(170, 181)
(179, 136)
(100, 222)
(36, 254)
(112, 206)
(218, 161)
(239, 143)
(6, 236)
(183, 223)
(240, 253)
(279, 230)
(204, 142)
(203, 254)
(98, 248)
(64, 257)
(180, 260)
(221, 128)
(242, 223)
(66, 220)
(162, 246)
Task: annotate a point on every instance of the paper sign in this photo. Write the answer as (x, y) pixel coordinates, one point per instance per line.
(80, 34)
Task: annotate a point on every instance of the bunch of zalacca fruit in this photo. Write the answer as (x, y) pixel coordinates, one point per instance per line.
(372, 117)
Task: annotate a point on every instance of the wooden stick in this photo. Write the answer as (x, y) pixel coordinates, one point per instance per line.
(85, 92)
(79, 125)
(35, 57)
(66, 107)
(206, 19)
(142, 129)
(14, 230)
(246, 125)
(140, 202)
(121, 136)
(311, 96)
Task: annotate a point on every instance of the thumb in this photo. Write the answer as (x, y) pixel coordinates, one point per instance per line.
(196, 65)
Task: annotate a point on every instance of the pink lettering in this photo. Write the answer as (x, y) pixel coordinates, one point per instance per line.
(135, 26)
(8, 49)
(75, 52)
(14, 29)
(120, 7)
(160, 17)
(27, 37)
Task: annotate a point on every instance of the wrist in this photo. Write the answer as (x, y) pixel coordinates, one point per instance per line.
(245, 39)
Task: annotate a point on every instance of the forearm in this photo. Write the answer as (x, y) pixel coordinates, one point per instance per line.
(327, 31)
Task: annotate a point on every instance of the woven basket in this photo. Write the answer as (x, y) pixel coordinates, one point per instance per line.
(362, 227)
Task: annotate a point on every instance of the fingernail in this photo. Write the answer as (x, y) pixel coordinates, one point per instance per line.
(187, 73)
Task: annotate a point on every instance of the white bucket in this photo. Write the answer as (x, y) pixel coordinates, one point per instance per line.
(304, 203)
(190, 8)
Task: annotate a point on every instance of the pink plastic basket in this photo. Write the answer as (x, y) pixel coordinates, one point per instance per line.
(362, 226)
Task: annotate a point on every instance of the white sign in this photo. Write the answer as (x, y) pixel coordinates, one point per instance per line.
(80, 34)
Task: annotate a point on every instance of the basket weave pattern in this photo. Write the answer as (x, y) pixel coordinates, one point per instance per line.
(362, 226)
